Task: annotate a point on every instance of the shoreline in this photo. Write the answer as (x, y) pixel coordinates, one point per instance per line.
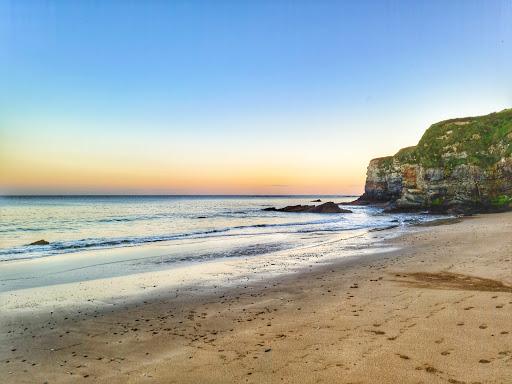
(384, 315)
(133, 287)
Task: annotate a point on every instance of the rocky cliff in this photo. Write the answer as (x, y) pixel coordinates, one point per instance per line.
(458, 165)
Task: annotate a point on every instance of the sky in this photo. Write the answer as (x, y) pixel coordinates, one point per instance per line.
(235, 97)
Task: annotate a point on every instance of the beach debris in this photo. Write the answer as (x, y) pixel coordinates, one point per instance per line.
(377, 229)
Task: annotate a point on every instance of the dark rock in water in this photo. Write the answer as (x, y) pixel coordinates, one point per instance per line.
(40, 242)
(296, 208)
(459, 166)
(316, 201)
(201, 217)
(329, 207)
(359, 201)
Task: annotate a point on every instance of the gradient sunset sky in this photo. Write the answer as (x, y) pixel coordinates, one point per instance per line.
(235, 97)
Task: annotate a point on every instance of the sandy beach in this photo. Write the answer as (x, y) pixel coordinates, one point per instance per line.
(217, 192)
(437, 310)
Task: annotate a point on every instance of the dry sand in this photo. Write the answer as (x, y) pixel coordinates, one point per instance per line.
(439, 310)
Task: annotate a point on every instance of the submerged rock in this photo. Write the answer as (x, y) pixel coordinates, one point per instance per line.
(329, 207)
(459, 166)
(40, 242)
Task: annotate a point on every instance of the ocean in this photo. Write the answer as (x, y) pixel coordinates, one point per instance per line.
(95, 237)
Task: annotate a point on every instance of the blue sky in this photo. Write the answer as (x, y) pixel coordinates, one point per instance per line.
(276, 87)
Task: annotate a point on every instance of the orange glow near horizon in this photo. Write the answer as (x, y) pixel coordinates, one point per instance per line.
(44, 178)
(61, 160)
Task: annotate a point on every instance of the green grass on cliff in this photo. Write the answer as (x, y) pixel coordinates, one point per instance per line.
(407, 155)
(481, 141)
(502, 201)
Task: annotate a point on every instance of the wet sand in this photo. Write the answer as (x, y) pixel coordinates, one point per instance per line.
(438, 310)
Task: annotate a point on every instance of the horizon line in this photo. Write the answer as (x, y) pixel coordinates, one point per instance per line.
(173, 195)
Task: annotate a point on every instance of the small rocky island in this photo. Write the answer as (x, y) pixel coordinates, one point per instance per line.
(460, 165)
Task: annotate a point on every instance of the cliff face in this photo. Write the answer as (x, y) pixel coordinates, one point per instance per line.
(461, 164)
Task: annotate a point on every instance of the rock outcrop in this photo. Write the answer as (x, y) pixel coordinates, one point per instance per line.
(458, 165)
(40, 242)
(329, 207)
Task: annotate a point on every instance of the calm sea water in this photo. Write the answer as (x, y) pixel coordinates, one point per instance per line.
(74, 224)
